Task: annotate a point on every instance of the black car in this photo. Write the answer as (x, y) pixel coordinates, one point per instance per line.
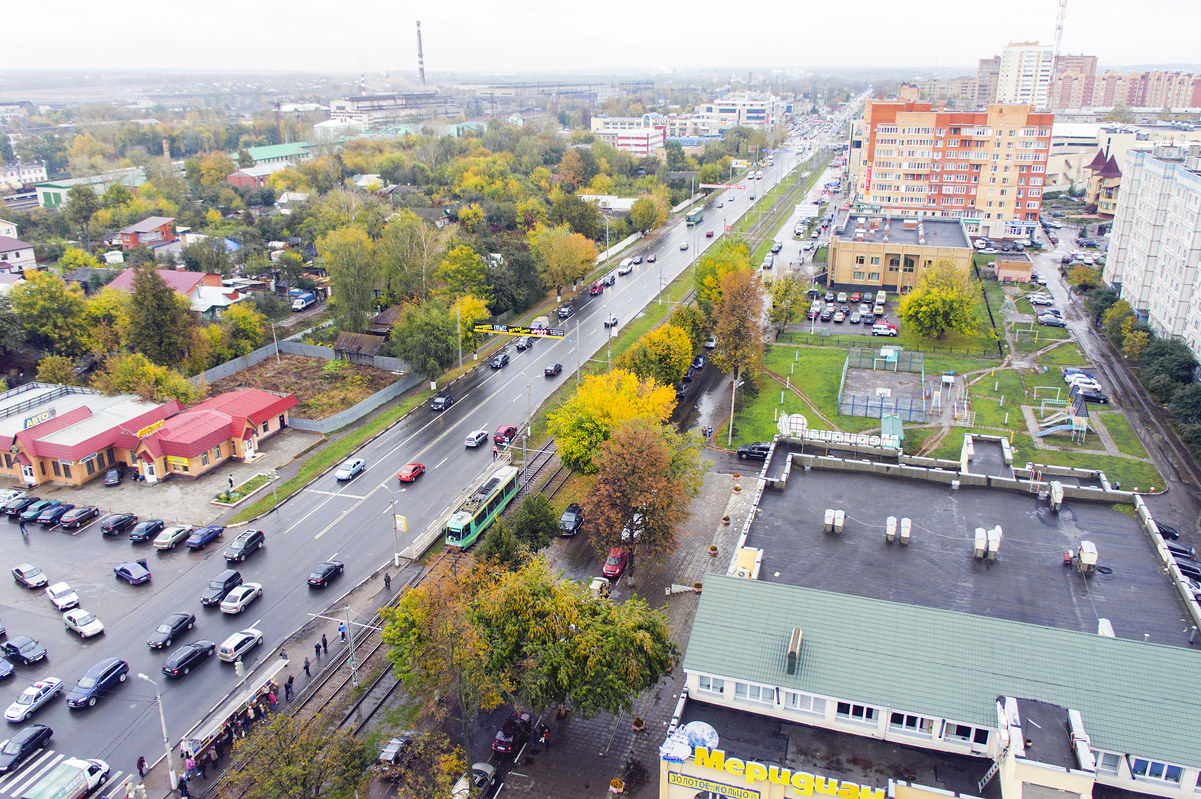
(1091, 395)
(79, 516)
(171, 628)
(500, 361)
(776, 246)
(324, 573)
(688, 376)
(113, 476)
(1167, 531)
(552, 370)
(247, 543)
(513, 733)
(571, 520)
(524, 343)
(442, 401)
(219, 586)
(22, 745)
(19, 506)
(566, 311)
(146, 530)
(698, 362)
(188, 657)
(118, 523)
(23, 649)
(98, 682)
(755, 452)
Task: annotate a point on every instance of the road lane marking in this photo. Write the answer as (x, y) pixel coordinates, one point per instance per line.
(334, 493)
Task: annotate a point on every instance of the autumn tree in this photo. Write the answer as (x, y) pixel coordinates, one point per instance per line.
(208, 255)
(739, 333)
(942, 301)
(51, 313)
(580, 215)
(75, 258)
(108, 320)
(789, 298)
(471, 217)
(559, 646)
(588, 417)
(468, 311)
(244, 329)
(647, 474)
(432, 767)
(82, 204)
(563, 257)
(159, 323)
(426, 339)
(644, 216)
(728, 256)
(354, 274)
(409, 252)
(133, 373)
(291, 757)
(663, 354)
(214, 168)
(463, 271)
(535, 523)
(57, 370)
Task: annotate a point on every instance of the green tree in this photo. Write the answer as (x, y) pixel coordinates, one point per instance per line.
(1119, 113)
(788, 301)
(581, 216)
(425, 339)
(292, 758)
(409, 252)
(208, 255)
(500, 546)
(677, 161)
(663, 354)
(710, 173)
(739, 336)
(588, 417)
(116, 196)
(942, 300)
(245, 159)
(644, 216)
(244, 329)
(51, 313)
(1188, 403)
(7, 156)
(354, 275)
(82, 204)
(535, 523)
(1099, 301)
(57, 370)
(563, 257)
(463, 272)
(12, 335)
(132, 373)
(729, 255)
(159, 323)
(647, 475)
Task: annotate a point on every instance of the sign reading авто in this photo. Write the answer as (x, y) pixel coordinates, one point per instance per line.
(802, 782)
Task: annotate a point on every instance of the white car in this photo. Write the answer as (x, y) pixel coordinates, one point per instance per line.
(1085, 385)
(350, 468)
(63, 596)
(240, 598)
(33, 697)
(170, 537)
(9, 495)
(237, 645)
(1040, 299)
(475, 783)
(82, 622)
(476, 437)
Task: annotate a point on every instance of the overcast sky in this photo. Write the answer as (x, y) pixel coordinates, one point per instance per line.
(517, 35)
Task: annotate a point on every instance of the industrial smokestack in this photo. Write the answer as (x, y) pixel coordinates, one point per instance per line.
(420, 56)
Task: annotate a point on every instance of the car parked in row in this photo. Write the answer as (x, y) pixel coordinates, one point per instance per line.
(172, 536)
(22, 649)
(62, 596)
(118, 523)
(204, 536)
(51, 516)
(30, 576)
(615, 564)
(513, 733)
(79, 516)
(757, 451)
(145, 531)
(82, 623)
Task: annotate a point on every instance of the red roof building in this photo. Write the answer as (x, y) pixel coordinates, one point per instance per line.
(226, 426)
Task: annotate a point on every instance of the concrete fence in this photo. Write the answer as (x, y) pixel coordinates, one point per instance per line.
(353, 414)
(1147, 522)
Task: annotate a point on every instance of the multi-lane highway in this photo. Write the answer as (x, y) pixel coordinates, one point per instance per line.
(350, 522)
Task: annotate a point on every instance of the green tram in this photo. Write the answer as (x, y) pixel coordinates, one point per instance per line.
(479, 510)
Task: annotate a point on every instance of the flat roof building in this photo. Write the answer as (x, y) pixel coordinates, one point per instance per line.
(893, 252)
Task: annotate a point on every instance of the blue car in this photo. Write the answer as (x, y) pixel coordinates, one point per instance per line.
(133, 572)
(99, 681)
(51, 516)
(6, 669)
(204, 536)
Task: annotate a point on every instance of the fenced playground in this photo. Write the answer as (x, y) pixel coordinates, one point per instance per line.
(881, 381)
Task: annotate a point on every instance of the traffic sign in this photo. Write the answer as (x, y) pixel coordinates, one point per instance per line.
(541, 332)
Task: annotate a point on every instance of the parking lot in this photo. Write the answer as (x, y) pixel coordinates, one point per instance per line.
(1028, 582)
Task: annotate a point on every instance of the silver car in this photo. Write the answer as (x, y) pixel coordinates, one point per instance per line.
(32, 698)
(350, 468)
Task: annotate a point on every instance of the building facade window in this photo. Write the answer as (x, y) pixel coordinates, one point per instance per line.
(713, 685)
(217, 453)
(204, 458)
(914, 725)
(805, 703)
(1153, 770)
(873, 275)
(754, 693)
(1107, 762)
(858, 275)
(860, 713)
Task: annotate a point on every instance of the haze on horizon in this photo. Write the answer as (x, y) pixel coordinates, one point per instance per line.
(374, 36)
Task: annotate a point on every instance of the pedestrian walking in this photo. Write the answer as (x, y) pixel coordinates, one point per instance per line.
(25, 532)
(213, 755)
(283, 654)
(324, 644)
(190, 764)
(306, 668)
(316, 650)
(544, 735)
(288, 686)
(342, 631)
(271, 700)
(495, 452)
(183, 786)
(387, 582)
(231, 482)
(141, 766)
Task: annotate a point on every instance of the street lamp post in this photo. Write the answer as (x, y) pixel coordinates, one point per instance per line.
(162, 720)
(395, 534)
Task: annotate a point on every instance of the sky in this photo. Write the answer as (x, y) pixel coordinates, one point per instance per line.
(502, 36)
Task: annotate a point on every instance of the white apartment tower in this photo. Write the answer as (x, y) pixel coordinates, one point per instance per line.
(1155, 251)
(1025, 75)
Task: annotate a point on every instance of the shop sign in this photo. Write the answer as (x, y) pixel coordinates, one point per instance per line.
(38, 418)
(857, 439)
(802, 782)
(150, 428)
(715, 788)
(175, 460)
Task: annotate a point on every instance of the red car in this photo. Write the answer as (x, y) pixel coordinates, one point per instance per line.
(596, 288)
(855, 297)
(615, 564)
(504, 434)
(708, 234)
(410, 472)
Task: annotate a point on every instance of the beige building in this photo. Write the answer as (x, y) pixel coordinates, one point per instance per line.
(877, 252)
(1025, 74)
(985, 167)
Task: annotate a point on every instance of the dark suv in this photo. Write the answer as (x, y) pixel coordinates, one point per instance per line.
(442, 401)
(755, 452)
(246, 544)
(571, 520)
(513, 734)
(219, 586)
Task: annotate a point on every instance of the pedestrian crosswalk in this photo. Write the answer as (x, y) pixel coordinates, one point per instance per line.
(16, 785)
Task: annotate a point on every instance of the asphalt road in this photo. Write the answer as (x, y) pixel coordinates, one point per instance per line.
(328, 520)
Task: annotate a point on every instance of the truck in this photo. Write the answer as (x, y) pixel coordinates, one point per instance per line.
(71, 779)
(303, 299)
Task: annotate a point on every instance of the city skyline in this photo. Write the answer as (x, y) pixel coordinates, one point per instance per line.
(537, 35)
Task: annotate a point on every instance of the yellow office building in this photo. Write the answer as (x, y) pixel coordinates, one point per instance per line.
(892, 252)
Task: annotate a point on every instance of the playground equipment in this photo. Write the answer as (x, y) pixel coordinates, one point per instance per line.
(1073, 419)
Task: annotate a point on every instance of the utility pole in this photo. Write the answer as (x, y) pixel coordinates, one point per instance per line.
(459, 325)
(354, 672)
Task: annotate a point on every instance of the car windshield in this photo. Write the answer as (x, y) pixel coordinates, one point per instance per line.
(85, 618)
(13, 748)
(613, 560)
(26, 698)
(217, 584)
(86, 681)
(164, 628)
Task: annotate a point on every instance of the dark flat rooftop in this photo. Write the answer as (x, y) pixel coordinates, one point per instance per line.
(862, 760)
(938, 232)
(1026, 583)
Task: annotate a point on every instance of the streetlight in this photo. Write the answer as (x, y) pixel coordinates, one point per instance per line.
(397, 523)
(162, 720)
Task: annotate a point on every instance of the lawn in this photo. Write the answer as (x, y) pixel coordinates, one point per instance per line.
(1067, 354)
(1050, 378)
(817, 375)
(996, 399)
(1131, 474)
(756, 422)
(1121, 432)
(952, 444)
